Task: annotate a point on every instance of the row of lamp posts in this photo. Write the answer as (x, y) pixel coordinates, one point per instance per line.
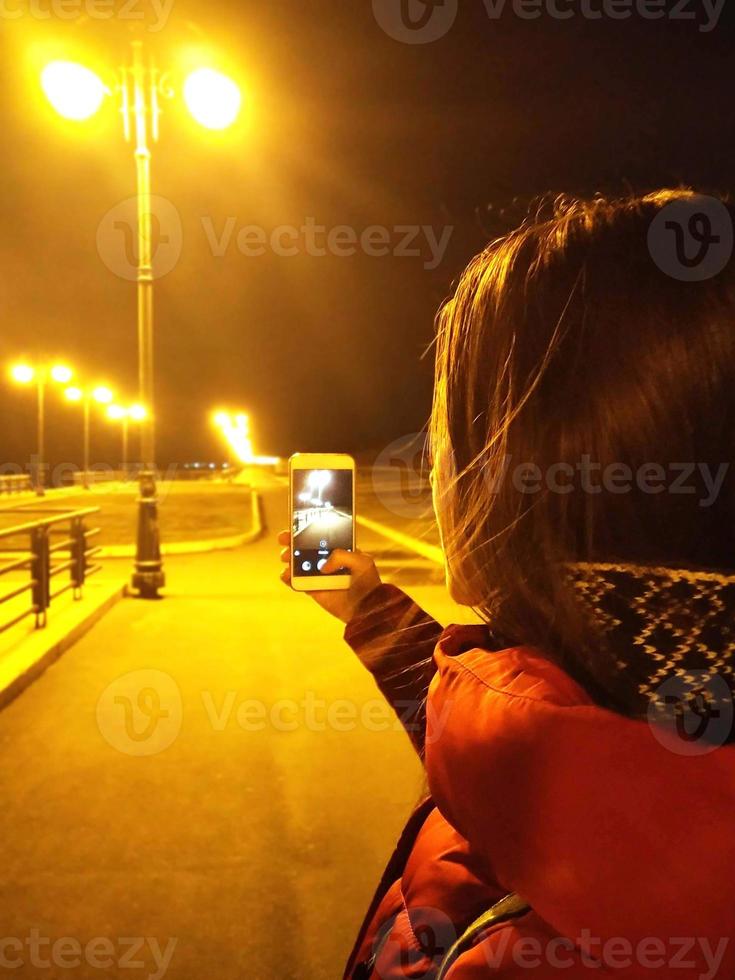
(59, 375)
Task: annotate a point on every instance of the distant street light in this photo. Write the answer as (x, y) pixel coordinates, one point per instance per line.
(61, 375)
(138, 413)
(102, 396)
(236, 432)
(116, 413)
(215, 101)
(26, 374)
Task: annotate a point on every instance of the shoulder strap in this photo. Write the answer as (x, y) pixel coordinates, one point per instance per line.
(510, 907)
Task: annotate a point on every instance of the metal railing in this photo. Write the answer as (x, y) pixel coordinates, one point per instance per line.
(15, 483)
(57, 542)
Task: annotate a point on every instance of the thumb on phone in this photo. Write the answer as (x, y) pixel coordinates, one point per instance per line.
(359, 565)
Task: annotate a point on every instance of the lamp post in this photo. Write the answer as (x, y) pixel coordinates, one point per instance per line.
(102, 396)
(117, 413)
(25, 374)
(213, 100)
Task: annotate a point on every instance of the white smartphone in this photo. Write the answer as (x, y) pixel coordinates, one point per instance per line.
(322, 501)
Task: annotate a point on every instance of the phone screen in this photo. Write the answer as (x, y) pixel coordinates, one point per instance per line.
(323, 517)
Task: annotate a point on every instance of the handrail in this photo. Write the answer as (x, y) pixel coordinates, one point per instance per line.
(44, 561)
(11, 483)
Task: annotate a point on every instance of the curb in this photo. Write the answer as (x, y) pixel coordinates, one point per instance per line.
(34, 664)
(429, 551)
(200, 547)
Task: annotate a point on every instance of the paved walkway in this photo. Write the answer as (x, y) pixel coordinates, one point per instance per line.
(214, 769)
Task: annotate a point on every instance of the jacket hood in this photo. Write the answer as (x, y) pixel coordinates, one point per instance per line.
(600, 822)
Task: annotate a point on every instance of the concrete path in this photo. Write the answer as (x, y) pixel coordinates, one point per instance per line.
(207, 786)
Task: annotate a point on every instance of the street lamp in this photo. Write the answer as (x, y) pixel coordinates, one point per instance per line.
(236, 432)
(215, 101)
(117, 413)
(27, 374)
(86, 397)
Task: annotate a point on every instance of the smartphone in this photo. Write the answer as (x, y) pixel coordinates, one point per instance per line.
(322, 500)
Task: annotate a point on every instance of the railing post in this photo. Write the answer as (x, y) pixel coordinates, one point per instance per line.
(78, 555)
(40, 573)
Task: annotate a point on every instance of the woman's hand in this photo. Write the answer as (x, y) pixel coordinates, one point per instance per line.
(341, 604)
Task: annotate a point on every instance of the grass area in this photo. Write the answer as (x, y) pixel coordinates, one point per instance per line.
(187, 512)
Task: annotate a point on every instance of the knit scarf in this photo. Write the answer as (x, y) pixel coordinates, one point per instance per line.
(673, 633)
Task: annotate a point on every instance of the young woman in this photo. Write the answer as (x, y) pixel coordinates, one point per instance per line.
(579, 748)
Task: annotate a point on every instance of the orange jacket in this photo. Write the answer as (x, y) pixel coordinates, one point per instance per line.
(623, 847)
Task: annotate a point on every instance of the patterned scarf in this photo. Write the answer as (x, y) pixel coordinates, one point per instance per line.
(673, 632)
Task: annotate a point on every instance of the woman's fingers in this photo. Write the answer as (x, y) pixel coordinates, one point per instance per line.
(353, 561)
(284, 538)
(286, 575)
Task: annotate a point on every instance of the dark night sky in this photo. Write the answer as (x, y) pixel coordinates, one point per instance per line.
(349, 127)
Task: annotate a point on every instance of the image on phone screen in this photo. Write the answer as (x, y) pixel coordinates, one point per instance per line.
(322, 517)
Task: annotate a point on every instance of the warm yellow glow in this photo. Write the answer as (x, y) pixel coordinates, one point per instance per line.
(61, 374)
(73, 90)
(74, 394)
(236, 431)
(212, 98)
(116, 412)
(138, 413)
(103, 395)
(22, 374)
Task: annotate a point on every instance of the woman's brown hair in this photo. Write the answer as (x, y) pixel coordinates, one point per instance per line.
(567, 359)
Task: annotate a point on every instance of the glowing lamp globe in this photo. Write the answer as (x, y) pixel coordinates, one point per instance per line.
(61, 374)
(138, 413)
(102, 395)
(22, 374)
(73, 90)
(213, 99)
